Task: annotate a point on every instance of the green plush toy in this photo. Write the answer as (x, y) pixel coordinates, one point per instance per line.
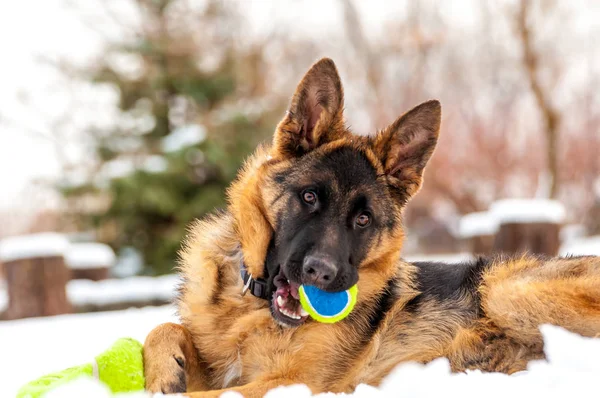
(121, 368)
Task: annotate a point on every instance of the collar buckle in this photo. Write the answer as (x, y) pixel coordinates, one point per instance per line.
(259, 287)
(247, 285)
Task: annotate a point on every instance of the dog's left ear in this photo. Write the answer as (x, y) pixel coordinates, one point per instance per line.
(315, 114)
(406, 145)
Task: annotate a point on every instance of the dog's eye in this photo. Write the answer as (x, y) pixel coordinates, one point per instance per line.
(309, 197)
(363, 220)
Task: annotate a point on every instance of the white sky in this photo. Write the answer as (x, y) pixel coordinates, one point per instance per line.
(33, 28)
(30, 29)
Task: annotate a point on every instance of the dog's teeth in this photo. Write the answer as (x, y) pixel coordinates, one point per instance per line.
(289, 314)
(298, 314)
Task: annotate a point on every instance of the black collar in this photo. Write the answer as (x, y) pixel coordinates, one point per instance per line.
(257, 286)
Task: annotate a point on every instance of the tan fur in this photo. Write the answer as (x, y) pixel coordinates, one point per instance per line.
(229, 341)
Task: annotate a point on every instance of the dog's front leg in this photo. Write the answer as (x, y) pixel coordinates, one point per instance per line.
(171, 363)
(256, 389)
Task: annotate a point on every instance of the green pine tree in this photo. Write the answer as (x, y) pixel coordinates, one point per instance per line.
(167, 183)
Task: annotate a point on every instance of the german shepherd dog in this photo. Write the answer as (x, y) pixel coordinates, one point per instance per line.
(322, 206)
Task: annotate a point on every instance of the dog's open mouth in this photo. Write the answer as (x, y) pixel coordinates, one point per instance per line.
(286, 303)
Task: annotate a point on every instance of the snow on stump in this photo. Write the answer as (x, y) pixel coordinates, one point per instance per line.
(36, 275)
(90, 260)
(528, 226)
(479, 230)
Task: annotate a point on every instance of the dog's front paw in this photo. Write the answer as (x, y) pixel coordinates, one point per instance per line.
(168, 377)
(165, 357)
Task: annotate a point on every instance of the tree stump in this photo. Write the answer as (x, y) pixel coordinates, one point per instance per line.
(91, 261)
(534, 238)
(478, 231)
(528, 226)
(36, 275)
(481, 244)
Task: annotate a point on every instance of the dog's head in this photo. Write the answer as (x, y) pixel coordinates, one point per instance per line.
(321, 204)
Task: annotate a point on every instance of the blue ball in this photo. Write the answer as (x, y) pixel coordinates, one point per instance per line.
(327, 307)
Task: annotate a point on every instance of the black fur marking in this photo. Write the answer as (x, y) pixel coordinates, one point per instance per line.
(445, 282)
(178, 386)
(377, 312)
(280, 178)
(383, 302)
(350, 167)
(219, 285)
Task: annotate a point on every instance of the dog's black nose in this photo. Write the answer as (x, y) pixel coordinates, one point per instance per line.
(318, 271)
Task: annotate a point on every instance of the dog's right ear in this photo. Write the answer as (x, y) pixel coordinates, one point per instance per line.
(314, 116)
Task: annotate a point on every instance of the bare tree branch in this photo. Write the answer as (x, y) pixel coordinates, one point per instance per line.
(550, 115)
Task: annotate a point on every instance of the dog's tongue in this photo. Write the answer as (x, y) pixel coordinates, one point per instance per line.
(285, 287)
(294, 290)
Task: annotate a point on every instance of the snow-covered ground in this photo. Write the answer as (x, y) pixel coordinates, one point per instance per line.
(586, 246)
(30, 348)
(139, 289)
(33, 347)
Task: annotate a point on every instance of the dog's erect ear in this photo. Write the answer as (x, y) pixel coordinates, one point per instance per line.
(314, 116)
(406, 145)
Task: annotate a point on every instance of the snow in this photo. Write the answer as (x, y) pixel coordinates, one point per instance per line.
(3, 296)
(572, 231)
(589, 246)
(510, 211)
(129, 263)
(116, 168)
(183, 137)
(92, 389)
(89, 255)
(477, 224)
(33, 347)
(155, 164)
(128, 290)
(124, 167)
(138, 289)
(528, 211)
(572, 367)
(31, 246)
(451, 258)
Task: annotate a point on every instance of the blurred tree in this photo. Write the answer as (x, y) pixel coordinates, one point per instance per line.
(190, 113)
(550, 115)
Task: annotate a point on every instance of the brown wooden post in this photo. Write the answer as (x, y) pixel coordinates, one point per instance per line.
(36, 275)
(528, 226)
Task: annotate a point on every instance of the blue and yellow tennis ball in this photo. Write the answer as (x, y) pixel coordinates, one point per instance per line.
(327, 307)
(121, 368)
